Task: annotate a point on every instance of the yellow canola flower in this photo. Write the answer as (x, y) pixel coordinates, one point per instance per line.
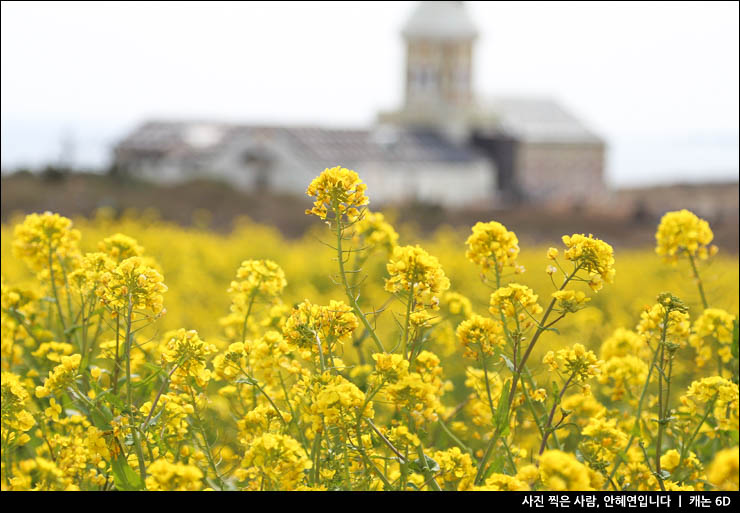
(337, 189)
(119, 247)
(561, 471)
(43, 239)
(255, 278)
(390, 367)
(576, 362)
(515, 302)
(456, 469)
(132, 284)
(624, 342)
(623, 374)
(690, 465)
(421, 396)
(491, 245)
(594, 256)
(92, 266)
(53, 351)
(457, 304)
(14, 401)
(412, 269)
(261, 419)
(570, 300)
(164, 476)
(653, 323)
(603, 440)
(336, 402)
(480, 336)
(723, 392)
(61, 376)
(683, 232)
(273, 462)
(186, 350)
(238, 421)
(503, 483)
(373, 231)
(713, 325)
(310, 325)
(723, 471)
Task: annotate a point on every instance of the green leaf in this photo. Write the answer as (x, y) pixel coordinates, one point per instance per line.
(418, 466)
(155, 418)
(125, 478)
(72, 329)
(146, 381)
(735, 335)
(555, 390)
(497, 466)
(111, 398)
(734, 436)
(501, 421)
(509, 363)
(101, 417)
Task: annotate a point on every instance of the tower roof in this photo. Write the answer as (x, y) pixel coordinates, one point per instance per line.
(446, 21)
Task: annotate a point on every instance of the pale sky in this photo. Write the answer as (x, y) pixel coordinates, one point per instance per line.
(658, 80)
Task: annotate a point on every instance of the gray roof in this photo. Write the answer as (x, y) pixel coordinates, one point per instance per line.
(446, 21)
(538, 120)
(199, 139)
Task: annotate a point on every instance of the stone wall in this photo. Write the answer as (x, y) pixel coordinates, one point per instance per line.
(560, 172)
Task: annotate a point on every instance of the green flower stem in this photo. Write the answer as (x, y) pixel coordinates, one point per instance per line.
(366, 458)
(401, 457)
(509, 456)
(206, 445)
(348, 289)
(321, 353)
(698, 282)
(56, 294)
(409, 304)
(530, 405)
(548, 427)
(7, 457)
(488, 385)
(454, 438)
(428, 475)
(687, 446)
(161, 390)
(246, 316)
(271, 402)
(661, 410)
(72, 318)
(486, 455)
(129, 394)
(117, 365)
(512, 391)
(636, 428)
(540, 329)
(315, 458)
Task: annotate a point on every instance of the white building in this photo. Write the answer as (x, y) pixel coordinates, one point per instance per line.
(443, 146)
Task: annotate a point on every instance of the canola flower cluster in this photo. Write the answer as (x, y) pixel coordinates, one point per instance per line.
(378, 369)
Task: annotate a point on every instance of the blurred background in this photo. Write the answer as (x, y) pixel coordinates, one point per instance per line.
(550, 117)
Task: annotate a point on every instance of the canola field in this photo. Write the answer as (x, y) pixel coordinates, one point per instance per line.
(141, 355)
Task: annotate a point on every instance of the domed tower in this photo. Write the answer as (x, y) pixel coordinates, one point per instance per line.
(439, 38)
